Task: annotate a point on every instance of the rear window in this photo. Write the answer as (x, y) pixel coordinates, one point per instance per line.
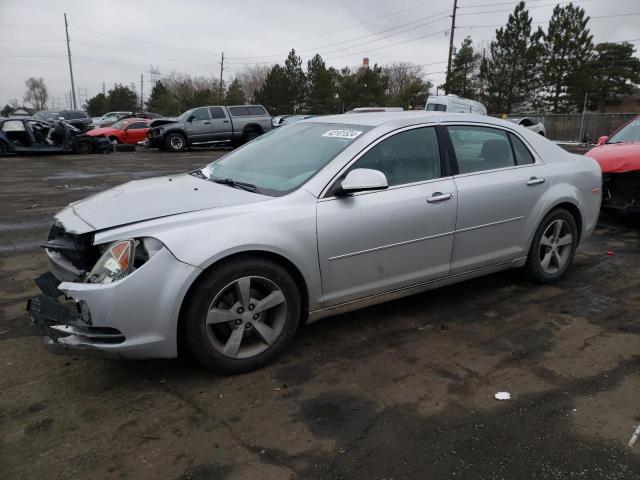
(73, 115)
(256, 111)
(523, 155)
(247, 111)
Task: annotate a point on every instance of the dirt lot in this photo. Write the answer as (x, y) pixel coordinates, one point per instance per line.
(403, 390)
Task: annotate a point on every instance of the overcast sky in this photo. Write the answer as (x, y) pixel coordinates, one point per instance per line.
(118, 40)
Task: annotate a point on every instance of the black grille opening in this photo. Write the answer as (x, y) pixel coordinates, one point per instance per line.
(77, 248)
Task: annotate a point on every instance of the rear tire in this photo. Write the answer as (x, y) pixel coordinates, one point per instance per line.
(250, 135)
(553, 247)
(3, 149)
(175, 142)
(242, 315)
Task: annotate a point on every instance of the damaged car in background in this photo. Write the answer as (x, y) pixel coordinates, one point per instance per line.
(29, 136)
(619, 158)
(325, 216)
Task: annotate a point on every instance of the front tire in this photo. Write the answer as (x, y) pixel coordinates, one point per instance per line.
(553, 247)
(84, 147)
(242, 315)
(3, 149)
(175, 142)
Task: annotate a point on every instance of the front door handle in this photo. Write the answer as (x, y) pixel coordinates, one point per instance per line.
(439, 197)
(206, 122)
(535, 181)
(225, 121)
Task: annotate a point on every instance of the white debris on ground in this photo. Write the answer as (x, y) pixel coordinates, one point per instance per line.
(503, 396)
(634, 437)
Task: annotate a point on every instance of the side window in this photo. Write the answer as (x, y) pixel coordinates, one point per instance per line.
(13, 126)
(436, 107)
(217, 112)
(239, 111)
(480, 148)
(523, 155)
(526, 122)
(256, 111)
(138, 126)
(409, 156)
(201, 114)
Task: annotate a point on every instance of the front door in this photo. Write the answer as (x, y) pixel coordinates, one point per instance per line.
(199, 129)
(500, 196)
(375, 242)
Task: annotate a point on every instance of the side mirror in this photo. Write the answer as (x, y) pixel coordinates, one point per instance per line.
(362, 180)
(602, 140)
(191, 118)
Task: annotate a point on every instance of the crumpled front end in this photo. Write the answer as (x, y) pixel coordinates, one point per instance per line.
(131, 317)
(621, 191)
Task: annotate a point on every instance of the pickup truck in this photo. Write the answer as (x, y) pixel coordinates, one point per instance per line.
(211, 125)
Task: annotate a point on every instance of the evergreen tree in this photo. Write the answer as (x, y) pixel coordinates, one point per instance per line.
(275, 93)
(96, 105)
(121, 97)
(321, 88)
(235, 95)
(612, 71)
(462, 78)
(511, 70)
(296, 81)
(367, 87)
(161, 101)
(567, 46)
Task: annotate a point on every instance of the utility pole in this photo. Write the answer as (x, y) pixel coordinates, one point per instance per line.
(141, 92)
(453, 27)
(104, 90)
(73, 88)
(221, 70)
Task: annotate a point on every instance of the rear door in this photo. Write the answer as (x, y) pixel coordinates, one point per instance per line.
(378, 241)
(501, 184)
(199, 129)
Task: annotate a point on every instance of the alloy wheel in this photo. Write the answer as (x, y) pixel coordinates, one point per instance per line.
(555, 246)
(246, 317)
(176, 143)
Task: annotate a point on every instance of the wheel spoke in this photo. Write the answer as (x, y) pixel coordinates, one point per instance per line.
(232, 346)
(558, 259)
(265, 332)
(273, 299)
(243, 288)
(546, 260)
(219, 315)
(557, 227)
(566, 240)
(546, 241)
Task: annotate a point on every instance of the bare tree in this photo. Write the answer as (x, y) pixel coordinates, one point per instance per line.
(252, 79)
(401, 75)
(36, 93)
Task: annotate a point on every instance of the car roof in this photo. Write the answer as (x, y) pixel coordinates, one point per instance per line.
(402, 119)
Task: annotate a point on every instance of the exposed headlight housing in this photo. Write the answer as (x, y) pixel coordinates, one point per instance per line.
(122, 257)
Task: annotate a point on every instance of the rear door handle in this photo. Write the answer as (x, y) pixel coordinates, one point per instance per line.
(225, 121)
(535, 181)
(439, 197)
(206, 122)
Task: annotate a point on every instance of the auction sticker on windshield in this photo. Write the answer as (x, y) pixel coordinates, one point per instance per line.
(342, 133)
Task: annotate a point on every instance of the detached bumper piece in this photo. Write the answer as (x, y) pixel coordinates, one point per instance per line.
(621, 191)
(67, 327)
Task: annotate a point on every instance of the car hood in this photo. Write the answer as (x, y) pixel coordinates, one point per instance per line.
(158, 122)
(141, 200)
(102, 131)
(617, 157)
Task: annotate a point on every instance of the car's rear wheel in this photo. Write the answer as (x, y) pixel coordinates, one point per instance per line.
(3, 149)
(242, 315)
(553, 247)
(84, 147)
(250, 135)
(175, 142)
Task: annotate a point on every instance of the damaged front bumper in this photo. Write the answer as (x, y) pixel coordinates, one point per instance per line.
(621, 191)
(135, 317)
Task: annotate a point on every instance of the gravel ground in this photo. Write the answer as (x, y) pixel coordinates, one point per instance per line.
(403, 390)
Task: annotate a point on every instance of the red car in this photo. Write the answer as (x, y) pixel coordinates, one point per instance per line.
(128, 130)
(619, 159)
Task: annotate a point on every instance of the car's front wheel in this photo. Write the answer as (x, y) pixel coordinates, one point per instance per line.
(175, 142)
(3, 149)
(84, 147)
(553, 246)
(242, 315)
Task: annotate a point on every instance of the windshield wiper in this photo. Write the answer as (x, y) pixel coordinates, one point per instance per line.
(249, 187)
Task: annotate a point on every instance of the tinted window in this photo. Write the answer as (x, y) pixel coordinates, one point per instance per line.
(256, 111)
(481, 148)
(523, 155)
(201, 114)
(217, 112)
(138, 125)
(13, 126)
(239, 111)
(436, 107)
(409, 156)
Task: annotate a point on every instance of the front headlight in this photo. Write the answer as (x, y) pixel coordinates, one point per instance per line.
(123, 257)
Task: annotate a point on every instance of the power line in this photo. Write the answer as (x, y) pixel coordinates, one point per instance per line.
(547, 21)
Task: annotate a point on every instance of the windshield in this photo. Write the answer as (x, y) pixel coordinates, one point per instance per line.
(119, 125)
(185, 115)
(283, 159)
(629, 133)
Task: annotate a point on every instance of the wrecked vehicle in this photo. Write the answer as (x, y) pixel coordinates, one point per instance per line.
(619, 158)
(24, 135)
(325, 216)
(206, 126)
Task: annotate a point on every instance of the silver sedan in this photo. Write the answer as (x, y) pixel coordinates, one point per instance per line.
(328, 215)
